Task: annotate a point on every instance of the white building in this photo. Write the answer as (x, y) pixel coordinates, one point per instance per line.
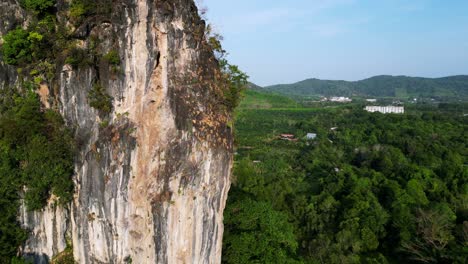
(386, 109)
(371, 100)
(311, 136)
(341, 99)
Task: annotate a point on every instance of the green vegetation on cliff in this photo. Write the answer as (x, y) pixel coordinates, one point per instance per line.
(232, 81)
(21, 46)
(48, 43)
(38, 6)
(36, 148)
(36, 158)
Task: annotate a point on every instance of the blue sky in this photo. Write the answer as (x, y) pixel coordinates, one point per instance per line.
(291, 40)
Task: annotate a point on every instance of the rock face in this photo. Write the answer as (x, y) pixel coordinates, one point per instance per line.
(152, 176)
(10, 17)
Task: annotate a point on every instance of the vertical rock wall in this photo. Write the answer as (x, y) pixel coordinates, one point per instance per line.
(152, 177)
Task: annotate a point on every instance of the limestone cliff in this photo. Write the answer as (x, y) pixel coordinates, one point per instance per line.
(151, 177)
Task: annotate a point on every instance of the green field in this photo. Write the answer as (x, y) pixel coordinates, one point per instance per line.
(257, 100)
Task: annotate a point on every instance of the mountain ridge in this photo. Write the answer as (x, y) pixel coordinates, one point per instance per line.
(400, 86)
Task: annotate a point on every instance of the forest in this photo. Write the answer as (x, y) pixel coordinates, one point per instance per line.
(371, 188)
(402, 87)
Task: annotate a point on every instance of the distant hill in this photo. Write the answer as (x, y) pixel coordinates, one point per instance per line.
(380, 86)
(253, 86)
(256, 98)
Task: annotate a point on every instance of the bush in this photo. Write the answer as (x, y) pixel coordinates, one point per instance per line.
(38, 6)
(80, 9)
(112, 57)
(236, 83)
(16, 46)
(66, 256)
(100, 100)
(21, 46)
(77, 9)
(78, 57)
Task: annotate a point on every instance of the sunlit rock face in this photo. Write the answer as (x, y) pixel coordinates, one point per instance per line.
(152, 176)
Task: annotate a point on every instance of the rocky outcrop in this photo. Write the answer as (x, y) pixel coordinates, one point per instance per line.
(11, 16)
(48, 229)
(153, 175)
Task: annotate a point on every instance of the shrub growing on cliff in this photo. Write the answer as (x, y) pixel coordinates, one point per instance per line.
(66, 256)
(236, 84)
(38, 6)
(78, 57)
(21, 46)
(112, 57)
(100, 100)
(234, 81)
(79, 9)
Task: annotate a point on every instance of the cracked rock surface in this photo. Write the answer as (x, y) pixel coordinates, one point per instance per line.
(152, 183)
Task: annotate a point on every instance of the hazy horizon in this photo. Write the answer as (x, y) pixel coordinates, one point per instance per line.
(437, 77)
(280, 42)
